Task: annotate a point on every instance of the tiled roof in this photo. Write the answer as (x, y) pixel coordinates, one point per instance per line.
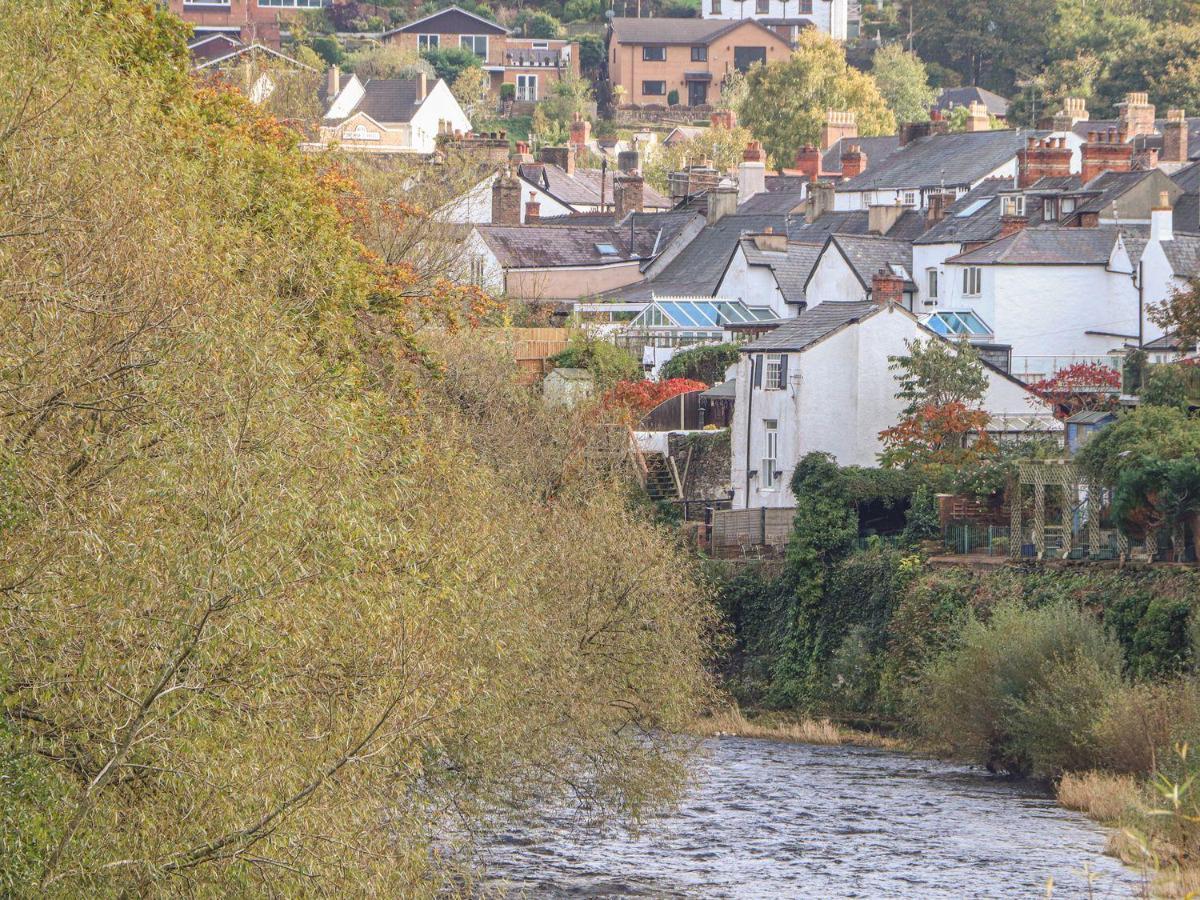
(786, 182)
(547, 246)
(630, 30)
(726, 390)
(812, 325)
(909, 226)
(776, 202)
(583, 187)
(877, 149)
(1141, 141)
(975, 216)
(1186, 214)
(790, 269)
(965, 96)
(389, 100)
(1169, 341)
(1107, 187)
(1188, 178)
(868, 253)
(451, 20)
(941, 159)
(697, 269)
(1046, 246)
(1183, 253)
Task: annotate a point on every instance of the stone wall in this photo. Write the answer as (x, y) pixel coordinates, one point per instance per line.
(708, 469)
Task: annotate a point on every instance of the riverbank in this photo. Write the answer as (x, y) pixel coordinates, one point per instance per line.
(779, 726)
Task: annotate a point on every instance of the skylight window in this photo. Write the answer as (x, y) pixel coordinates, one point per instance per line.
(971, 208)
(606, 250)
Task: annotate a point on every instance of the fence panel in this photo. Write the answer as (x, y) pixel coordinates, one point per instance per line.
(746, 529)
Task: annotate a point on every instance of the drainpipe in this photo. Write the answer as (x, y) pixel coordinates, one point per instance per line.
(1141, 283)
(749, 411)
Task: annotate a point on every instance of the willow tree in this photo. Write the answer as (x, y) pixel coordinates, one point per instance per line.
(278, 616)
(786, 102)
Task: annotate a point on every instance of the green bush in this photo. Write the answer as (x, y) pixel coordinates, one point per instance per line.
(705, 363)
(538, 24)
(922, 520)
(1017, 691)
(607, 362)
(672, 98)
(329, 49)
(1165, 385)
(508, 91)
(450, 62)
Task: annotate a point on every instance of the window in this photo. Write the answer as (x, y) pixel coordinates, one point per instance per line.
(770, 454)
(606, 249)
(654, 54)
(477, 271)
(654, 88)
(1012, 205)
(908, 198)
(1068, 205)
(429, 41)
(541, 45)
(287, 4)
(774, 372)
(527, 88)
(972, 281)
(931, 292)
(762, 7)
(699, 54)
(715, 8)
(476, 43)
(805, 7)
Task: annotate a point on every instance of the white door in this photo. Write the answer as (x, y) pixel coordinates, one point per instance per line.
(527, 87)
(770, 454)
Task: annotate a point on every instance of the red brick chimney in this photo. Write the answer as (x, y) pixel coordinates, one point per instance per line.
(1050, 158)
(938, 203)
(887, 287)
(754, 152)
(533, 209)
(1135, 115)
(1105, 152)
(808, 161)
(839, 124)
(563, 157)
(723, 118)
(854, 161)
(506, 200)
(580, 132)
(1011, 225)
(628, 194)
(1175, 137)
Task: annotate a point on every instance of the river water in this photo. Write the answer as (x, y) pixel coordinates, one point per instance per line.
(774, 819)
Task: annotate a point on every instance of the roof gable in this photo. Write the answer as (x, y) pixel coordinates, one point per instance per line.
(1048, 246)
(451, 20)
(629, 30)
(813, 324)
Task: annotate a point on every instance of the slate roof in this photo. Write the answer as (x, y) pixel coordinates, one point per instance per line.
(726, 390)
(451, 20)
(868, 253)
(1169, 341)
(965, 96)
(967, 220)
(1046, 246)
(790, 269)
(909, 226)
(776, 202)
(549, 246)
(1143, 140)
(631, 30)
(1188, 178)
(1109, 186)
(786, 182)
(1183, 254)
(213, 46)
(583, 187)
(941, 159)
(877, 149)
(388, 100)
(1186, 213)
(697, 269)
(811, 325)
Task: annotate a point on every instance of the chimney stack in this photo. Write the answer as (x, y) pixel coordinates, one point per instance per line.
(887, 287)
(506, 200)
(522, 154)
(977, 117)
(1136, 115)
(333, 82)
(752, 172)
(770, 242)
(563, 157)
(819, 201)
(939, 202)
(723, 118)
(1050, 158)
(1175, 138)
(629, 161)
(1011, 224)
(628, 194)
(911, 131)
(1162, 219)
(881, 217)
(722, 201)
(839, 124)
(854, 161)
(808, 161)
(422, 86)
(580, 133)
(533, 209)
(1105, 152)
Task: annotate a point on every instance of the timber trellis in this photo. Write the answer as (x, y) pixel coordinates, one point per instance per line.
(746, 530)
(1069, 481)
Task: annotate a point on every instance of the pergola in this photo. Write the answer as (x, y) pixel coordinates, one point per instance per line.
(1068, 479)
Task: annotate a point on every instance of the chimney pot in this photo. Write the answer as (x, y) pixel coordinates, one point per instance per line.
(533, 209)
(887, 287)
(333, 81)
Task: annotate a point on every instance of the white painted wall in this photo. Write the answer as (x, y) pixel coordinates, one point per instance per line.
(475, 206)
(831, 16)
(931, 256)
(476, 249)
(438, 106)
(1159, 281)
(833, 279)
(754, 286)
(840, 394)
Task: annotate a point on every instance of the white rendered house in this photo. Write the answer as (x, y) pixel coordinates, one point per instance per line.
(830, 16)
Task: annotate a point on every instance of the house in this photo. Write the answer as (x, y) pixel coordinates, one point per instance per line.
(852, 267)
(1083, 425)
(1170, 261)
(783, 16)
(532, 66)
(584, 190)
(949, 98)
(555, 263)
(256, 68)
(1168, 143)
(388, 115)
(821, 382)
(769, 270)
(250, 21)
(1055, 295)
(928, 163)
(649, 59)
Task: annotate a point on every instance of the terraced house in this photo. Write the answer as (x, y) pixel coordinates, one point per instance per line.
(532, 66)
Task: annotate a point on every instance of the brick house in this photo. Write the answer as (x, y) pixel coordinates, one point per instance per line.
(530, 65)
(252, 21)
(649, 58)
(785, 16)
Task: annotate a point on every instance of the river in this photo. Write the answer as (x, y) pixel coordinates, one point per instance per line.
(773, 819)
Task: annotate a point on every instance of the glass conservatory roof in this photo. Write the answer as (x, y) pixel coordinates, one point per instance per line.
(963, 323)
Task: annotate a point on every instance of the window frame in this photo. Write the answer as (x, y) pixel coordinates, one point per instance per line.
(649, 93)
(972, 284)
(762, 7)
(773, 372)
(770, 457)
(429, 42)
(474, 38)
(699, 53)
(657, 48)
(530, 79)
(714, 8)
(931, 283)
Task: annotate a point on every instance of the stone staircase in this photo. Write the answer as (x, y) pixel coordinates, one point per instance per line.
(660, 480)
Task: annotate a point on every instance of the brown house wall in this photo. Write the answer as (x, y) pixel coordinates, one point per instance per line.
(257, 23)
(627, 68)
(568, 284)
(498, 45)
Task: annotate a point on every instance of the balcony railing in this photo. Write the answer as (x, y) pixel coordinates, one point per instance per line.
(1036, 368)
(535, 58)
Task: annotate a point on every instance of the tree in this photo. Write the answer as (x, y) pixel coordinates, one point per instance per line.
(471, 89)
(1172, 81)
(722, 147)
(786, 102)
(956, 121)
(1151, 457)
(608, 363)
(568, 97)
(582, 11)
(943, 424)
(707, 363)
(539, 24)
(1078, 387)
(903, 83)
(451, 62)
(388, 61)
(591, 52)
(1180, 314)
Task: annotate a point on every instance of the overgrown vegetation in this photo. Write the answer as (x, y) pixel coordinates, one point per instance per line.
(296, 581)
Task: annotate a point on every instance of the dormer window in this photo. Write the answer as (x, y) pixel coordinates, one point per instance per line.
(1068, 205)
(908, 198)
(1012, 205)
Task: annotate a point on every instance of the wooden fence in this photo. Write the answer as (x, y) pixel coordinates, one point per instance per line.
(532, 348)
(737, 532)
